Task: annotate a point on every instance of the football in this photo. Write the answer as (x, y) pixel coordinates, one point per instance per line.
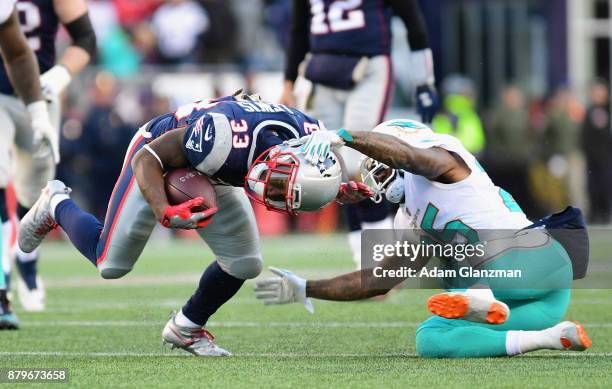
(185, 184)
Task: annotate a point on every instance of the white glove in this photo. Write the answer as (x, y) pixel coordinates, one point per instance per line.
(54, 81)
(289, 288)
(46, 138)
(316, 146)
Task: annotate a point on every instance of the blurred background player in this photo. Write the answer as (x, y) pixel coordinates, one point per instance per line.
(344, 49)
(39, 21)
(21, 69)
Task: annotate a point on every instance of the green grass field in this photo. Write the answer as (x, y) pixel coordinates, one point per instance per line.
(107, 333)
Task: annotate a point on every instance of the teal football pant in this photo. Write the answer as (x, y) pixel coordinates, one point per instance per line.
(531, 309)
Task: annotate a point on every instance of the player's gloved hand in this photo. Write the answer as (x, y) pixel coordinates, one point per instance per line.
(284, 289)
(46, 138)
(54, 81)
(316, 146)
(428, 102)
(353, 192)
(182, 216)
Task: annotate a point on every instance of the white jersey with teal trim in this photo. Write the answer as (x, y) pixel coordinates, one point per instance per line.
(474, 202)
(6, 9)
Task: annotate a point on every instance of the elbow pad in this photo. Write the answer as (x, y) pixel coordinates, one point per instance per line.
(82, 33)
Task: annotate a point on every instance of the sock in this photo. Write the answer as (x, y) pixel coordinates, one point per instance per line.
(27, 265)
(520, 342)
(216, 287)
(5, 253)
(183, 321)
(82, 228)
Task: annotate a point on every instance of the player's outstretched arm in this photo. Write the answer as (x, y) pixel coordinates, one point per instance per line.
(19, 60)
(358, 285)
(434, 163)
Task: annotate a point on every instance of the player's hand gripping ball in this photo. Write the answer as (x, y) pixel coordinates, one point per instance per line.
(192, 197)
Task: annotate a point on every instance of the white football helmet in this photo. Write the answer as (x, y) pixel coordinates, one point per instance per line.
(381, 178)
(283, 181)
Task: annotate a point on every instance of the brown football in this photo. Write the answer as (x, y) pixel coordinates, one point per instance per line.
(185, 184)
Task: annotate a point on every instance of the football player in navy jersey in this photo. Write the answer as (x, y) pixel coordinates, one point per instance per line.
(20, 65)
(237, 142)
(39, 20)
(344, 48)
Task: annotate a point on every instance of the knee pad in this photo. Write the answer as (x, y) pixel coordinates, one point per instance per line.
(244, 268)
(111, 273)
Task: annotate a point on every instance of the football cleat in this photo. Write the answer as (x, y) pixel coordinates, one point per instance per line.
(37, 223)
(573, 336)
(456, 305)
(8, 320)
(32, 300)
(197, 341)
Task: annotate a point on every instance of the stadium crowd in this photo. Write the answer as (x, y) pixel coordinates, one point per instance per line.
(547, 151)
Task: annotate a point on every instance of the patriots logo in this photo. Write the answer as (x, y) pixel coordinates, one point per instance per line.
(195, 138)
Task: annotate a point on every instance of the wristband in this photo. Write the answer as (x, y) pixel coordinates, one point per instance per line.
(342, 133)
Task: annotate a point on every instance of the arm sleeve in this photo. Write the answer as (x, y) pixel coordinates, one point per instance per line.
(410, 13)
(298, 41)
(82, 33)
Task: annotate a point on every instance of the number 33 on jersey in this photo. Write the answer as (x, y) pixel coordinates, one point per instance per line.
(224, 136)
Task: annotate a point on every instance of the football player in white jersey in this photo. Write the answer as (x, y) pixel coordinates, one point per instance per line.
(444, 192)
(22, 68)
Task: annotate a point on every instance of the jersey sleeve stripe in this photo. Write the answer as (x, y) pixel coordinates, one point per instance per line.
(221, 147)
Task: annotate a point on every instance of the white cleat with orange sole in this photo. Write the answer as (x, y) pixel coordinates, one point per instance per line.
(573, 336)
(478, 309)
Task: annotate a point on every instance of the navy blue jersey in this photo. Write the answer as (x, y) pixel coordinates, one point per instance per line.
(352, 27)
(39, 23)
(223, 137)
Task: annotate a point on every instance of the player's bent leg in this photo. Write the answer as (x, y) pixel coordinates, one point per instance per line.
(127, 229)
(234, 239)
(443, 338)
(533, 325)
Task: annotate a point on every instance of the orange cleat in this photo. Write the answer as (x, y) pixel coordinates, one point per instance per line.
(455, 305)
(574, 336)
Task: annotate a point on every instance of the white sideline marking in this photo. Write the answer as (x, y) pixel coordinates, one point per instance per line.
(268, 355)
(224, 324)
(243, 324)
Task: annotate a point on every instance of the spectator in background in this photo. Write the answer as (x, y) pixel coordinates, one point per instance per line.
(105, 136)
(561, 153)
(459, 117)
(597, 146)
(178, 25)
(221, 38)
(509, 147)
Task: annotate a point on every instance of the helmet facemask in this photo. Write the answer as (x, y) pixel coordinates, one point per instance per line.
(377, 176)
(271, 181)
